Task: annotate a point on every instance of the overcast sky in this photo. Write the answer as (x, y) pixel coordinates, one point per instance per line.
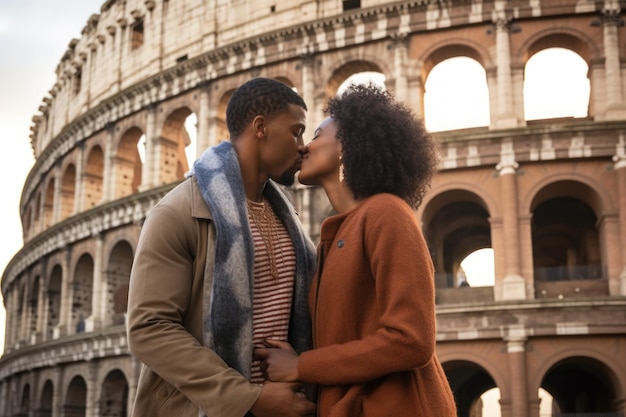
(34, 35)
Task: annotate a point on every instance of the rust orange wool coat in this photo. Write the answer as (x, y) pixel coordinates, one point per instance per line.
(373, 308)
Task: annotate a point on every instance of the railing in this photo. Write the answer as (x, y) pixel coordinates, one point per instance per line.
(568, 273)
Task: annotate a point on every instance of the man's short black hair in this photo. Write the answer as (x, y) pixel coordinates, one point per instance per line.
(258, 97)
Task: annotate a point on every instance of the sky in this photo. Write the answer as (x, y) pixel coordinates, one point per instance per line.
(34, 35)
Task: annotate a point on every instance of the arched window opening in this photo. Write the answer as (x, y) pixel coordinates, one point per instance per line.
(477, 269)
(75, 404)
(68, 189)
(474, 389)
(128, 163)
(581, 386)
(452, 101)
(93, 178)
(54, 301)
(25, 401)
(565, 241)
(45, 402)
(366, 77)
(191, 149)
(117, 280)
(82, 293)
(48, 207)
(114, 397)
(556, 85)
(174, 160)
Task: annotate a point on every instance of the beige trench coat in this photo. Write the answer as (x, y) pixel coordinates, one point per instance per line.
(179, 375)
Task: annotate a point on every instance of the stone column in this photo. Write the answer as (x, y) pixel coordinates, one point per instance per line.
(65, 310)
(56, 201)
(308, 92)
(148, 179)
(400, 45)
(516, 352)
(108, 187)
(203, 140)
(99, 289)
(620, 172)
(506, 114)
(513, 285)
(79, 187)
(612, 68)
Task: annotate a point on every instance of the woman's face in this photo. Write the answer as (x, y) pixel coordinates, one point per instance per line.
(322, 158)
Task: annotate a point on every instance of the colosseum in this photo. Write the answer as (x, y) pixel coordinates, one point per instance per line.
(144, 90)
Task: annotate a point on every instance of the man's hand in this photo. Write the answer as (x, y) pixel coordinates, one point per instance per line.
(280, 399)
(279, 362)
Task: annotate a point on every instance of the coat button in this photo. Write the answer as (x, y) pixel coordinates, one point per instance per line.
(340, 244)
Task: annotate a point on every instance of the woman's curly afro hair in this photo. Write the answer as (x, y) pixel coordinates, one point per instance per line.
(386, 149)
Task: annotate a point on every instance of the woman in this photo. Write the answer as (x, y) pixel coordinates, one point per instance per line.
(372, 300)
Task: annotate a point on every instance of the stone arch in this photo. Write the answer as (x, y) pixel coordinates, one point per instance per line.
(48, 207)
(33, 304)
(566, 240)
(114, 395)
(558, 37)
(593, 192)
(450, 241)
(68, 191)
(93, 177)
(221, 129)
(174, 139)
(468, 380)
(82, 293)
(54, 297)
(25, 401)
(44, 406)
(75, 401)
(345, 70)
(452, 48)
(117, 279)
(580, 380)
(128, 165)
(37, 214)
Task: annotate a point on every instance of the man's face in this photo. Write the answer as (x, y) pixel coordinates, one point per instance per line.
(284, 145)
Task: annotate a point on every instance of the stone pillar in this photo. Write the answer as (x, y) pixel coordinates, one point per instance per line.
(620, 172)
(79, 188)
(148, 179)
(308, 93)
(400, 45)
(513, 285)
(506, 114)
(56, 204)
(611, 21)
(108, 187)
(99, 289)
(516, 352)
(65, 313)
(203, 140)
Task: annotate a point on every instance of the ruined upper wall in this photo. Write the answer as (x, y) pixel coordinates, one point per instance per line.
(132, 41)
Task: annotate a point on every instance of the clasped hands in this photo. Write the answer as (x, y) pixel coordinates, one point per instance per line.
(278, 361)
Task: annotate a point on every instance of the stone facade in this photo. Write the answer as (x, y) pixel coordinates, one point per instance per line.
(548, 196)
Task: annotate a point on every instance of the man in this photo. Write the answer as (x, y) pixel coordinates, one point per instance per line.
(222, 263)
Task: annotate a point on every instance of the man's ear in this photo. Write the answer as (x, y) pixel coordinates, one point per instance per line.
(259, 126)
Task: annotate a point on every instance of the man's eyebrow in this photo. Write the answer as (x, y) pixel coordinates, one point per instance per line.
(317, 131)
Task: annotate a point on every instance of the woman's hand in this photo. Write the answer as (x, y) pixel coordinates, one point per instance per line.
(279, 362)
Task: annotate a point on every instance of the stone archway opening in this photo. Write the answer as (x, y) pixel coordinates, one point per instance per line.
(114, 397)
(129, 159)
(45, 403)
(456, 224)
(117, 280)
(75, 404)
(469, 382)
(581, 386)
(174, 159)
(567, 254)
